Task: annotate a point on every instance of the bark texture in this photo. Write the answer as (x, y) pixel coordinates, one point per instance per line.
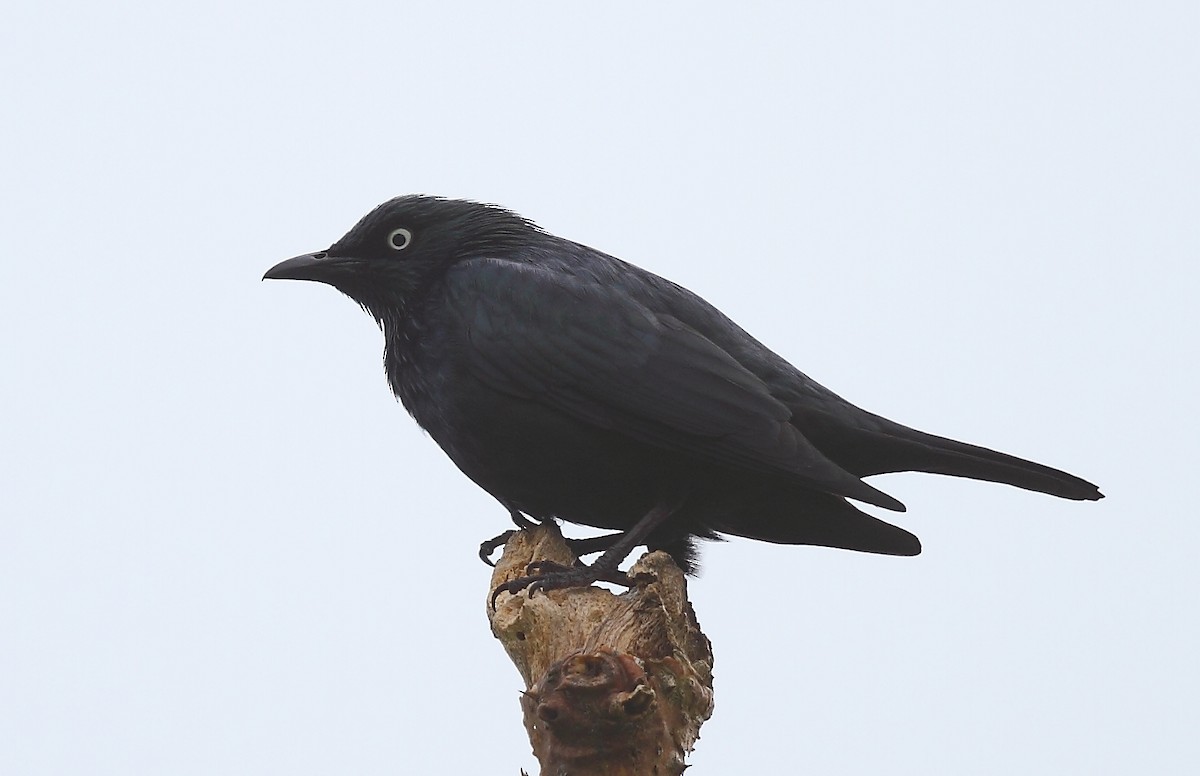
(614, 684)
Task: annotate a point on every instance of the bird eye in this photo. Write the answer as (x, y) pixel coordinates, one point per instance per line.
(399, 239)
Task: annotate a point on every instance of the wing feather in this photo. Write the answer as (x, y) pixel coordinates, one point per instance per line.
(594, 352)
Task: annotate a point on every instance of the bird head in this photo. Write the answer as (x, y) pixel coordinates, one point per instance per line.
(398, 249)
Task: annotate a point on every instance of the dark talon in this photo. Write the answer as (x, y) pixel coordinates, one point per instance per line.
(487, 548)
(508, 587)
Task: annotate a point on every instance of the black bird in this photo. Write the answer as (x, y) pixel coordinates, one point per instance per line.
(570, 384)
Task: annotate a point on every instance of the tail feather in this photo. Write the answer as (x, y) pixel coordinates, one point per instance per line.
(890, 447)
(789, 515)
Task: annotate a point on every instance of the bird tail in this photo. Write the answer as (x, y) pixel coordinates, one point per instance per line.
(879, 446)
(770, 512)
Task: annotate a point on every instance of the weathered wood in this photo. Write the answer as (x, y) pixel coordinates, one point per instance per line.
(614, 684)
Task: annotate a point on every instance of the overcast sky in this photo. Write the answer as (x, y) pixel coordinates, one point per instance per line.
(226, 549)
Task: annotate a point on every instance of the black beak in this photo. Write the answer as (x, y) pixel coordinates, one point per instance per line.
(311, 266)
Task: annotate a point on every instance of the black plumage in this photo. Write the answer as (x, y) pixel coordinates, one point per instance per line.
(572, 385)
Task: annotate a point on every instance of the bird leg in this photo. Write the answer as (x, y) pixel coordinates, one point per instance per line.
(592, 545)
(545, 575)
(518, 518)
(578, 547)
(523, 523)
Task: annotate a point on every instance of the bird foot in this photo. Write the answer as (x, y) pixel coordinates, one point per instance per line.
(547, 575)
(487, 548)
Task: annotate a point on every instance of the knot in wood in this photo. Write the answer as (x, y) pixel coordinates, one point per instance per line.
(589, 698)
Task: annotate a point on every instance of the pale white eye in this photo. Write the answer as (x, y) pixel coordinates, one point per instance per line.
(399, 239)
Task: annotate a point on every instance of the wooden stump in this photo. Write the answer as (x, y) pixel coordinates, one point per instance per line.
(614, 684)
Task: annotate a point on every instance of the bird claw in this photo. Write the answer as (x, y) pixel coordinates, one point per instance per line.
(546, 575)
(487, 548)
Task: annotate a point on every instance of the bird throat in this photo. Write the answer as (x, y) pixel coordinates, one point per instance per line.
(404, 360)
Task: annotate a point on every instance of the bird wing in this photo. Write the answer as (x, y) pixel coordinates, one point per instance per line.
(590, 350)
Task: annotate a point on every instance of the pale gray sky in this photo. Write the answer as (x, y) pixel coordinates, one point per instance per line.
(225, 549)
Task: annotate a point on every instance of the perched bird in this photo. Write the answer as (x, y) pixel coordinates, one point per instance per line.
(572, 385)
